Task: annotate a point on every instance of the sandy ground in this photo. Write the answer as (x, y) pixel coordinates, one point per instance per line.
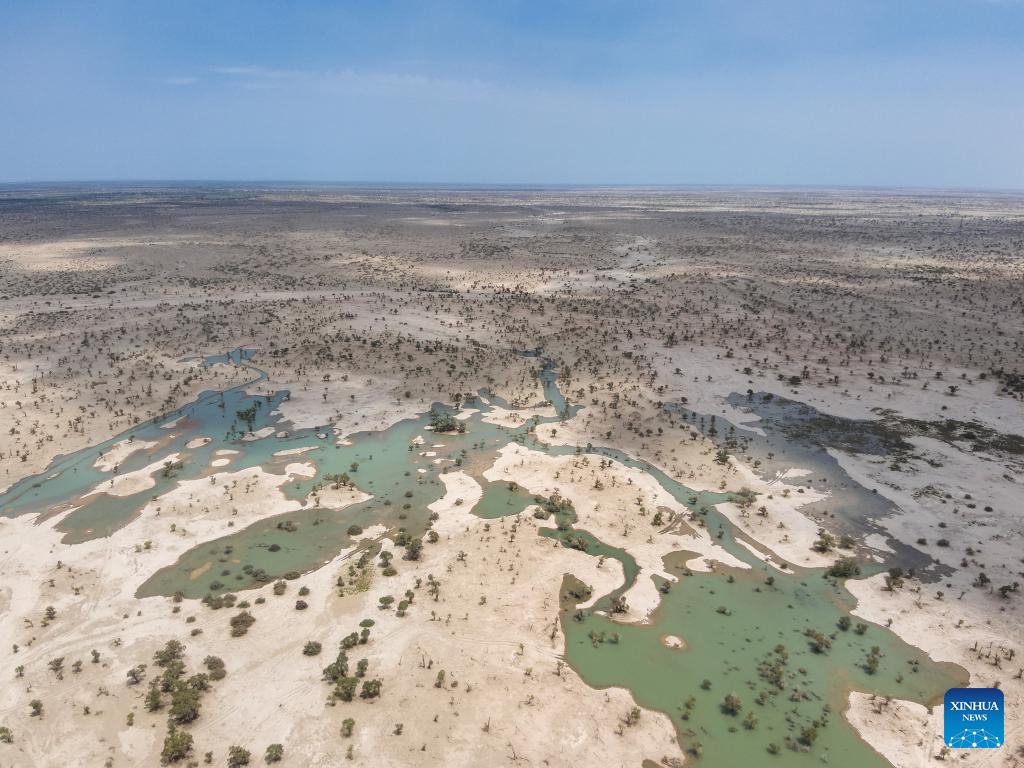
(616, 504)
(501, 652)
(134, 482)
(120, 451)
(781, 527)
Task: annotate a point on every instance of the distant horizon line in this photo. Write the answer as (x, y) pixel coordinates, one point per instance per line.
(467, 185)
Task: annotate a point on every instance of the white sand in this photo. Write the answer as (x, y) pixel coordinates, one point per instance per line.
(613, 514)
(295, 451)
(133, 482)
(120, 451)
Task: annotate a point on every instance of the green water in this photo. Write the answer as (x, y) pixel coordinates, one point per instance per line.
(597, 548)
(501, 500)
(730, 631)
(732, 622)
(293, 542)
(732, 647)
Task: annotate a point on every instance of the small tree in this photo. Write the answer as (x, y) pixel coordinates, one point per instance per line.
(215, 665)
(184, 705)
(57, 667)
(171, 652)
(413, 549)
(820, 643)
(312, 648)
(238, 756)
(153, 700)
(732, 704)
(240, 624)
(177, 745)
(844, 568)
(275, 753)
(345, 689)
(826, 541)
(136, 674)
(894, 579)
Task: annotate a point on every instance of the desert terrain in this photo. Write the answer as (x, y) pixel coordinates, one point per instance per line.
(512, 441)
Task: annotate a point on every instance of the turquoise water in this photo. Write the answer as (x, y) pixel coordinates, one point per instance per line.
(68, 479)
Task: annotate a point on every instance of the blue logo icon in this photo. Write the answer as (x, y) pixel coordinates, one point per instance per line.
(973, 718)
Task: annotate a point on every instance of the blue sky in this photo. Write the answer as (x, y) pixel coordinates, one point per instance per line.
(821, 92)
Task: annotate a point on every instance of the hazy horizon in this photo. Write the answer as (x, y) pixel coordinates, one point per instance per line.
(484, 186)
(917, 94)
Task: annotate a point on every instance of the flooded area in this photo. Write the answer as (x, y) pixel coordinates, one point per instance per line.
(780, 644)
